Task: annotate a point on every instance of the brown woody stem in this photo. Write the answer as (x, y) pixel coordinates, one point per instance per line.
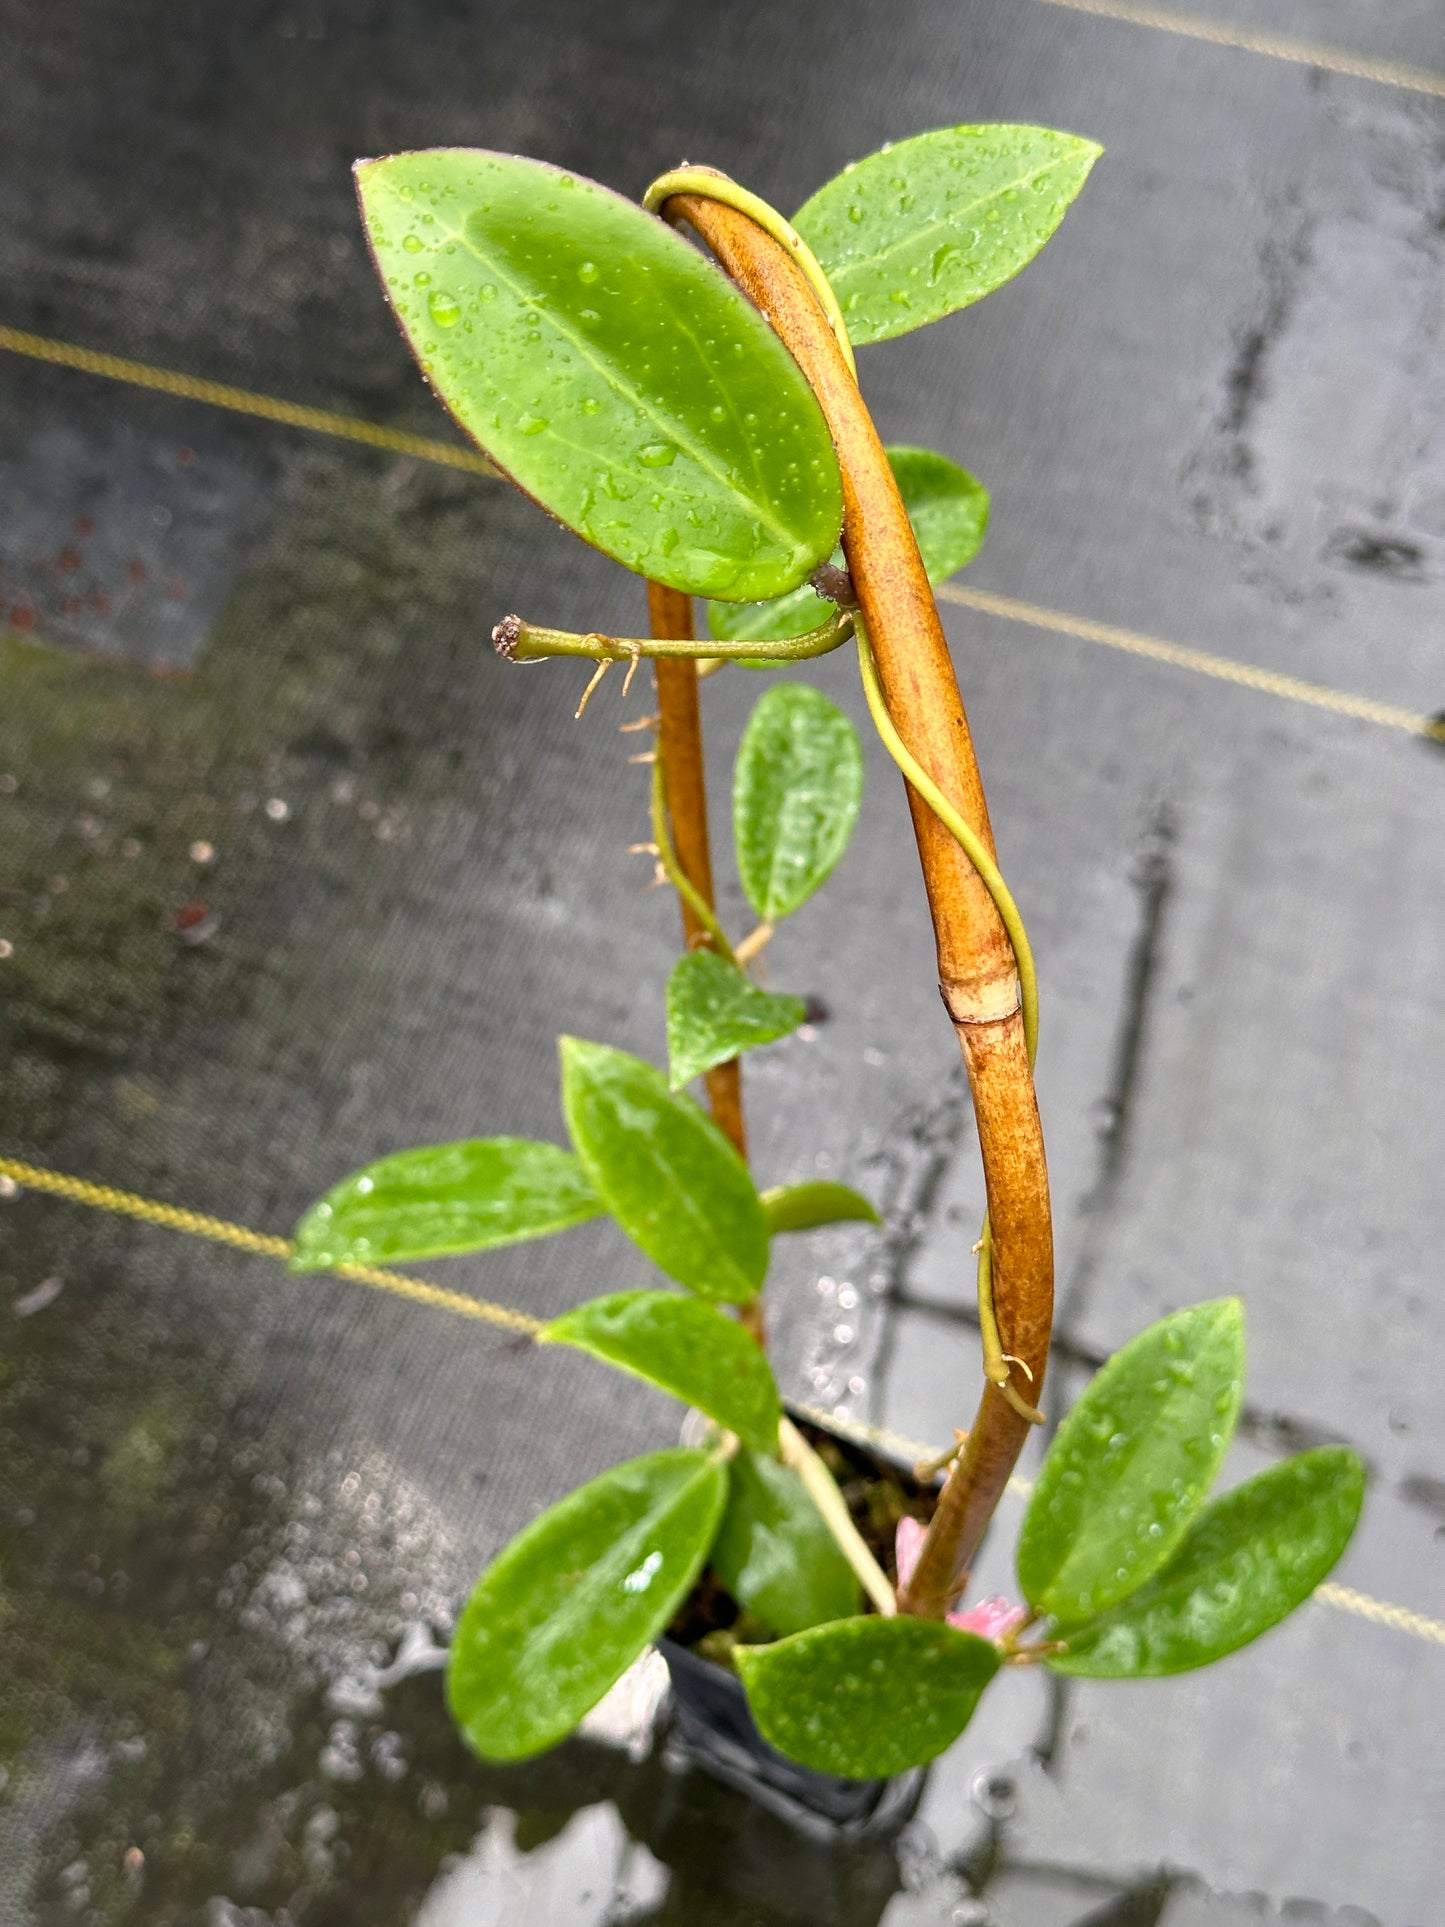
(977, 974)
(679, 738)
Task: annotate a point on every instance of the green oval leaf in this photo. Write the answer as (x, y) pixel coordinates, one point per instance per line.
(562, 1613)
(444, 1198)
(607, 368)
(775, 1554)
(948, 508)
(934, 223)
(1133, 1461)
(665, 1172)
(714, 1013)
(1248, 1560)
(689, 1349)
(797, 788)
(867, 1697)
(803, 1207)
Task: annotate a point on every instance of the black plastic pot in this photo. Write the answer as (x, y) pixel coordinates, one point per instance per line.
(712, 1726)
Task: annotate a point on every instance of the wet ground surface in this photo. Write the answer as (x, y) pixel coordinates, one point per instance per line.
(292, 871)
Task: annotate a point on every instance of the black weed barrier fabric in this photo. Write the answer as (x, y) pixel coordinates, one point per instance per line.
(294, 872)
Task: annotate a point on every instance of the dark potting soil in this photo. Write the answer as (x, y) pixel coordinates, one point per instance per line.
(878, 1494)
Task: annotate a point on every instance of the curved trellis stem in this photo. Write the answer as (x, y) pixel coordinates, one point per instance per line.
(977, 971)
(996, 1361)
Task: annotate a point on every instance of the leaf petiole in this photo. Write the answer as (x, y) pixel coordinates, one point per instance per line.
(753, 943)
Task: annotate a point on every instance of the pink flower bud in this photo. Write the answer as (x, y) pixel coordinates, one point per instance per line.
(907, 1546)
(993, 1618)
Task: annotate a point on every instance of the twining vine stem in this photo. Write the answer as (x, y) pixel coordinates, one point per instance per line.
(719, 187)
(996, 1360)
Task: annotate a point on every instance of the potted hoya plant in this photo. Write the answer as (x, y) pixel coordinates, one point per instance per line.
(700, 421)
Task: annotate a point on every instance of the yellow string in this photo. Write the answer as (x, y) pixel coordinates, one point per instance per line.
(241, 401)
(1346, 1600)
(198, 1224)
(1254, 40)
(320, 421)
(1267, 681)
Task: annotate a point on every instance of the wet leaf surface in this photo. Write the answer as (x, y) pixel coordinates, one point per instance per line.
(571, 1602)
(607, 368)
(1133, 1461)
(948, 508)
(444, 1198)
(689, 1349)
(797, 789)
(1250, 1558)
(714, 1013)
(774, 1553)
(803, 1207)
(867, 1697)
(936, 222)
(665, 1172)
